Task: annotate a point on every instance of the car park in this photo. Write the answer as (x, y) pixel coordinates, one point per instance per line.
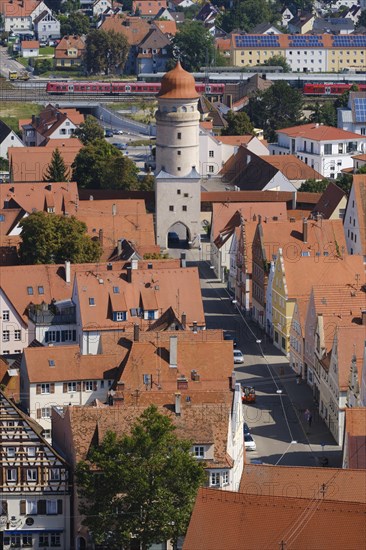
(238, 356)
(249, 442)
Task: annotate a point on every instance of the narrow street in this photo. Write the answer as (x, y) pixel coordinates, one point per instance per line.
(276, 420)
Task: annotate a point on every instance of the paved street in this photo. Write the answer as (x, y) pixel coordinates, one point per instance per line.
(7, 64)
(276, 420)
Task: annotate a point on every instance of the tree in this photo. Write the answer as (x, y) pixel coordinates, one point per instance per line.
(76, 23)
(147, 183)
(361, 20)
(49, 239)
(195, 45)
(314, 186)
(280, 106)
(105, 51)
(145, 486)
(324, 114)
(42, 66)
(344, 181)
(246, 14)
(238, 124)
(101, 165)
(278, 61)
(342, 101)
(56, 170)
(89, 130)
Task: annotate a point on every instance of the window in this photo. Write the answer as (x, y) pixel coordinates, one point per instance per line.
(54, 474)
(179, 153)
(29, 290)
(46, 412)
(31, 507)
(91, 302)
(43, 540)
(199, 452)
(184, 208)
(179, 135)
(10, 452)
(211, 154)
(40, 290)
(71, 387)
(214, 479)
(151, 314)
(17, 334)
(52, 336)
(328, 149)
(225, 478)
(27, 541)
(116, 290)
(119, 316)
(68, 335)
(6, 335)
(15, 541)
(45, 388)
(171, 208)
(178, 191)
(31, 474)
(211, 169)
(89, 385)
(51, 507)
(11, 474)
(6, 315)
(55, 539)
(2, 218)
(31, 452)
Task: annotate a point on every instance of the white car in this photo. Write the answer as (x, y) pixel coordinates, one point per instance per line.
(249, 443)
(238, 356)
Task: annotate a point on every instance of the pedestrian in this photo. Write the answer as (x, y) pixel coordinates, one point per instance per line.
(306, 415)
(310, 418)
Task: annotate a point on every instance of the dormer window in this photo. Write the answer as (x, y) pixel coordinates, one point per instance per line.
(119, 316)
(199, 451)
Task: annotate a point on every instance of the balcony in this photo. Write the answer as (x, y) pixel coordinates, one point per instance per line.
(49, 314)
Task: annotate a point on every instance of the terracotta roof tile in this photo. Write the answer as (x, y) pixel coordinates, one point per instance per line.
(147, 7)
(220, 520)
(355, 433)
(30, 44)
(319, 132)
(134, 28)
(350, 345)
(167, 27)
(31, 197)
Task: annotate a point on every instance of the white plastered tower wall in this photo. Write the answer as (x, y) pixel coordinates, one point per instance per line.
(177, 181)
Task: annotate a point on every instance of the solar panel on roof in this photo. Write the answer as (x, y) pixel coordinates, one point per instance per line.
(360, 109)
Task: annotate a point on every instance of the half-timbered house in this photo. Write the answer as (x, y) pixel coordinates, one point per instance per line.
(34, 481)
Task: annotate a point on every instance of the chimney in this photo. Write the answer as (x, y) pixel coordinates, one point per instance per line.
(136, 333)
(119, 247)
(101, 237)
(134, 264)
(114, 209)
(178, 396)
(129, 274)
(68, 271)
(305, 230)
(363, 317)
(184, 320)
(173, 352)
(233, 380)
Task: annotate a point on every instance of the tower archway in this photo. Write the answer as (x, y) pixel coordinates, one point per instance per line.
(178, 236)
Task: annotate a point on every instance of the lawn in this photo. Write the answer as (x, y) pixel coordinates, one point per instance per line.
(11, 112)
(47, 51)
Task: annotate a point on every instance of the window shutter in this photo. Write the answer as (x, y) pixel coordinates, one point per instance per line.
(22, 474)
(78, 386)
(95, 385)
(52, 387)
(38, 413)
(59, 506)
(38, 389)
(22, 507)
(65, 387)
(4, 508)
(84, 386)
(41, 507)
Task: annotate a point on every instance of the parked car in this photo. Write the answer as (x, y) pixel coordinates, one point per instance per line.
(230, 336)
(246, 428)
(109, 133)
(238, 356)
(249, 443)
(120, 146)
(118, 132)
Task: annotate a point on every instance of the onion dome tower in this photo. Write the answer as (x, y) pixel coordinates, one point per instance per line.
(177, 183)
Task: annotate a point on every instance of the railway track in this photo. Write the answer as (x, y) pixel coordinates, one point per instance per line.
(36, 94)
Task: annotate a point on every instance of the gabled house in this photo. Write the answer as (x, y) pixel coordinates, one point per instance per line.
(115, 301)
(153, 52)
(51, 123)
(297, 332)
(100, 6)
(52, 376)
(69, 52)
(35, 489)
(147, 9)
(334, 25)
(355, 217)
(326, 149)
(8, 138)
(302, 23)
(19, 15)
(286, 16)
(336, 304)
(332, 203)
(47, 26)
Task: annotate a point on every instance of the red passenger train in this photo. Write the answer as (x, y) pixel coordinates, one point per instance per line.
(330, 89)
(121, 88)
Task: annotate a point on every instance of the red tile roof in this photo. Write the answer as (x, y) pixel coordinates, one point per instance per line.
(134, 28)
(318, 132)
(355, 435)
